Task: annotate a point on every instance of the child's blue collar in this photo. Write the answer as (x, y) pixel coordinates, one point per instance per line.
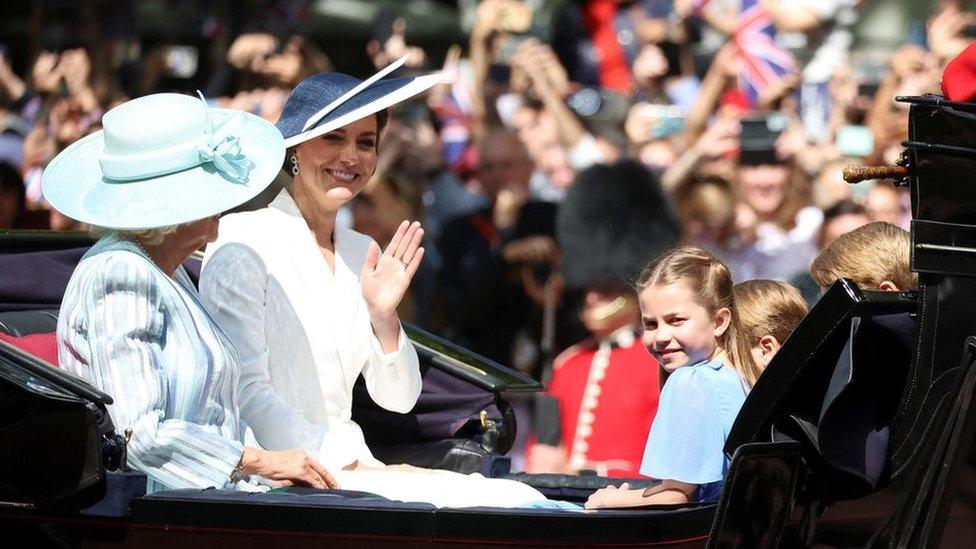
(713, 364)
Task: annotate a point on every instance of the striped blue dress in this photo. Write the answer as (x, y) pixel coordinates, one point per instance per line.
(144, 338)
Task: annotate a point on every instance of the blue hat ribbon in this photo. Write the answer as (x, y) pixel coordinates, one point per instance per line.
(223, 148)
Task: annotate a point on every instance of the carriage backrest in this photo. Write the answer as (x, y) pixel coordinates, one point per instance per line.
(834, 387)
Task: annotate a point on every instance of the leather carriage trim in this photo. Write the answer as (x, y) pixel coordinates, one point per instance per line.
(943, 248)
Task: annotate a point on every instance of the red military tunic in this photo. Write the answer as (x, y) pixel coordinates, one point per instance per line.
(608, 395)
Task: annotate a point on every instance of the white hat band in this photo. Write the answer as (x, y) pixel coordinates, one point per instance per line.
(222, 148)
(138, 166)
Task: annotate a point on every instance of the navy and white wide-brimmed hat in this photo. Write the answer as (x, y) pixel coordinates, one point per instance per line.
(326, 101)
(163, 159)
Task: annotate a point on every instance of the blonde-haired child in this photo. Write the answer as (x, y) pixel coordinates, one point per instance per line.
(877, 256)
(768, 311)
(691, 326)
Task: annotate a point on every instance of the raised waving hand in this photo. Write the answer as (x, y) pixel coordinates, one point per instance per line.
(385, 278)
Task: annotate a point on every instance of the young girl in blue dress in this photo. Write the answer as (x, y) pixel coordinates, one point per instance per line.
(692, 329)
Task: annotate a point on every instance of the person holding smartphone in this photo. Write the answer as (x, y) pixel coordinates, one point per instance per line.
(824, 28)
(500, 27)
(776, 227)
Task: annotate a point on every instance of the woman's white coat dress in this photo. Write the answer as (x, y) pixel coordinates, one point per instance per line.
(303, 333)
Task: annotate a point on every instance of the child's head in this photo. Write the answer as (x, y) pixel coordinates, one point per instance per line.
(768, 310)
(875, 256)
(689, 312)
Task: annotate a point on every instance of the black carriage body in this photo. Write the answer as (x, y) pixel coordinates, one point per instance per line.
(463, 423)
(873, 391)
(858, 433)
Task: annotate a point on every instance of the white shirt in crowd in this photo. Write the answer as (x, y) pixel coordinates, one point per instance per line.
(822, 50)
(776, 254)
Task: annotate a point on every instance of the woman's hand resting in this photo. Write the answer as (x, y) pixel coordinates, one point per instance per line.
(288, 467)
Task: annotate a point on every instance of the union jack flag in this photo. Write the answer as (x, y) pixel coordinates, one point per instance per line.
(763, 62)
(455, 113)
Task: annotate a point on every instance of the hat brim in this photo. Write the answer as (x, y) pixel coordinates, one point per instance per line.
(73, 183)
(385, 98)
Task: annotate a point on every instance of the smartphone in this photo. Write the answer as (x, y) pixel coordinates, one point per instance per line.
(670, 120)
(763, 128)
(500, 73)
(508, 46)
(868, 89)
(757, 141)
(854, 141)
(60, 36)
(413, 112)
(383, 25)
(672, 52)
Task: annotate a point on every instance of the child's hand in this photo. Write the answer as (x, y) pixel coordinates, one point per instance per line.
(605, 497)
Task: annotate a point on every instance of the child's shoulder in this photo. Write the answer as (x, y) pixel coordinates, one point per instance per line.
(706, 369)
(710, 375)
(712, 388)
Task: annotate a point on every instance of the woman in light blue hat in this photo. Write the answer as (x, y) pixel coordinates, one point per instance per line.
(312, 305)
(155, 181)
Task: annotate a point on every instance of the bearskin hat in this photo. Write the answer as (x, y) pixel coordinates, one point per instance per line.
(614, 220)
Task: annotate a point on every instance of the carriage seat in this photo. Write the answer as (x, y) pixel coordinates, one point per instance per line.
(32, 332)
(834, 387)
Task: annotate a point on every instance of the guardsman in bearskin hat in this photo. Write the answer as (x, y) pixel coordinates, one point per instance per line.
(605, 388)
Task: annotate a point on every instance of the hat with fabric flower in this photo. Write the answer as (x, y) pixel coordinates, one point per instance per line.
(326, 101)
(162, 160)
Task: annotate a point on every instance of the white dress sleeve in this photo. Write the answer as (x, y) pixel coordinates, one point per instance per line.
(111, 331)
(393, 379)
(233, 287)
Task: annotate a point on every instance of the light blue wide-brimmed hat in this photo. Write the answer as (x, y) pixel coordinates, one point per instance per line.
(326, 101)
(162, 160)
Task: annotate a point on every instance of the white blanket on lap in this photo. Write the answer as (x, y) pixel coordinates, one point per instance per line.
(439, 488)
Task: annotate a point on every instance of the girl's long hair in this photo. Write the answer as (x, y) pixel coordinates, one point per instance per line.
(711, 283)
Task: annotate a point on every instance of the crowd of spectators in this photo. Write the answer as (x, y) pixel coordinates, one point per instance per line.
(745, 110)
